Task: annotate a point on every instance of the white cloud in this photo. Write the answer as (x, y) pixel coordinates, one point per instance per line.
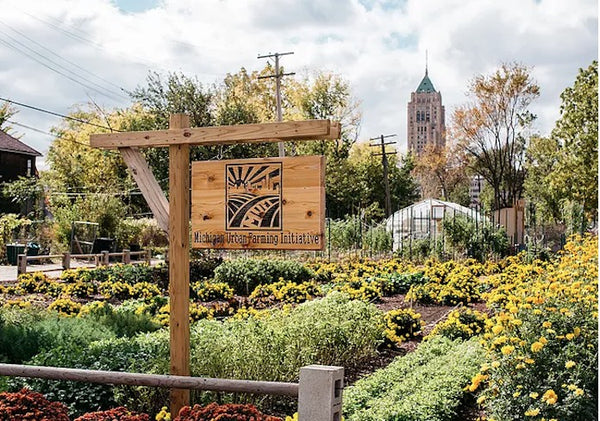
(379, 46)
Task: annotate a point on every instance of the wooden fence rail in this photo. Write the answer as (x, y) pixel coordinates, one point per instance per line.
(100, 259)
(319, 390)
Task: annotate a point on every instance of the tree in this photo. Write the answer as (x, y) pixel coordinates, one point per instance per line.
(541, 162)
(442, 173)
(491, 129)
(6, 113)
(575, 176)
(327, 96)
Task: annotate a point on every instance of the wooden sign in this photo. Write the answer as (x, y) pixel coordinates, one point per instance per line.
(263, 203)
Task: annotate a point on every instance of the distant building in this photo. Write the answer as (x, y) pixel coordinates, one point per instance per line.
(16, 159)
(426, 117)
(475, 188)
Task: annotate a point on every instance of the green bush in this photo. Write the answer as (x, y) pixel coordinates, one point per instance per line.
(246, 274)
(399, 283)
(331, 331)
(423, 385)
(24, 333)
(144, 353)
(212, 291)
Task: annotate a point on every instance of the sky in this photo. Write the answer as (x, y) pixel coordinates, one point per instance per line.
(60, 54)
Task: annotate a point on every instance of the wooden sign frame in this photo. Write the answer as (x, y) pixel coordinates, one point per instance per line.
(173, 215)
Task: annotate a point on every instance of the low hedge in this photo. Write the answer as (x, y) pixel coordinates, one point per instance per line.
(424, 385)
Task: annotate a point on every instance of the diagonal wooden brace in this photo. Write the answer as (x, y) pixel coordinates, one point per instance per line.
(159, 205)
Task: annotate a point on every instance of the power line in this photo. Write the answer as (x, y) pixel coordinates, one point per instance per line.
(278, 75)
(384, 161)
(71, 78)
(58, 137)
(31, 107)
(62, 58)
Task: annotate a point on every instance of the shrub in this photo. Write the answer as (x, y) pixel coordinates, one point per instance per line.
(65, 307)
(211, 291)
(331, 331)
(542, 345)
(246, 274)
(284, 292)
(144, 353)
(30, 406)
(224, 412)
(33, 282)
(117, 414)
(81, 289)
(423, 385)
(461, 324)
(399, 283)
(117, 289)
(402, 325)
(446, 287)
(144, 290)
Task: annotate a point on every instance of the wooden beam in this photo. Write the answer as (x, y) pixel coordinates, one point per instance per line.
(179, 261)
(220, 135)
(147, 183)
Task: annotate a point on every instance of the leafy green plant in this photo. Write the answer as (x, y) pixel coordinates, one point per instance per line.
(284, 292)
(212, 291)
(243, 275)
(65, 306)
(426, 384)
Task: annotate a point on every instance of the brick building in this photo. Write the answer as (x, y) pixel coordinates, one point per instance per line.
(426, 117)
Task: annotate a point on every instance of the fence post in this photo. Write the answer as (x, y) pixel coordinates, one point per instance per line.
(126, 256)
(320, 393)
(21, 264)
(66, 263)
(105, 258)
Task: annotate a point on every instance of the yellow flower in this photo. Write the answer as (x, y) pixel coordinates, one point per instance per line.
(578, 392)
(534, 395)
(520, 366)
(495, 364)
(570, 364)
(543, 340)
(536, 346)
(569, 336)
(516, 394)
(550, 397)
(547, 325)
(529, 360)
(532, 412)
(497, 329)
(507, 349)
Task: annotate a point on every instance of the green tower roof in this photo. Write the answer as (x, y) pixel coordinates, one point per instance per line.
(425, 85)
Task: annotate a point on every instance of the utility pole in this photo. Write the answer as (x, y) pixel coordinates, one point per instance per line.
(384, 161)
(278, 75)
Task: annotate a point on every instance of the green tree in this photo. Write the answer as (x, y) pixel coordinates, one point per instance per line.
(492, 129)
(575, 176)
(327, 96)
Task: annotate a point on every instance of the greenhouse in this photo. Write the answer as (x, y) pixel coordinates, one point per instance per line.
(423, 220)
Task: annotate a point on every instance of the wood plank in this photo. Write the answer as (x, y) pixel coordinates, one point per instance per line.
(243, 133)
(147, 183)
(285, 211)
(179, 262)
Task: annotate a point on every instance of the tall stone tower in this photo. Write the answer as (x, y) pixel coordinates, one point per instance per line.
(426, 119)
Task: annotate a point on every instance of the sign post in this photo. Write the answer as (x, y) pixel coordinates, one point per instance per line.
(173, 215)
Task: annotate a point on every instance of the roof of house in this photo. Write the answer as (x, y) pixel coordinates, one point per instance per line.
(12, 144)
(426, 85)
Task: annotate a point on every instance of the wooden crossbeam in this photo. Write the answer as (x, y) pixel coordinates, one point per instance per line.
(220, 135)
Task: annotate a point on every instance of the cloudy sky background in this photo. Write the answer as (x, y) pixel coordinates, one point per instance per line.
(377, 45)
